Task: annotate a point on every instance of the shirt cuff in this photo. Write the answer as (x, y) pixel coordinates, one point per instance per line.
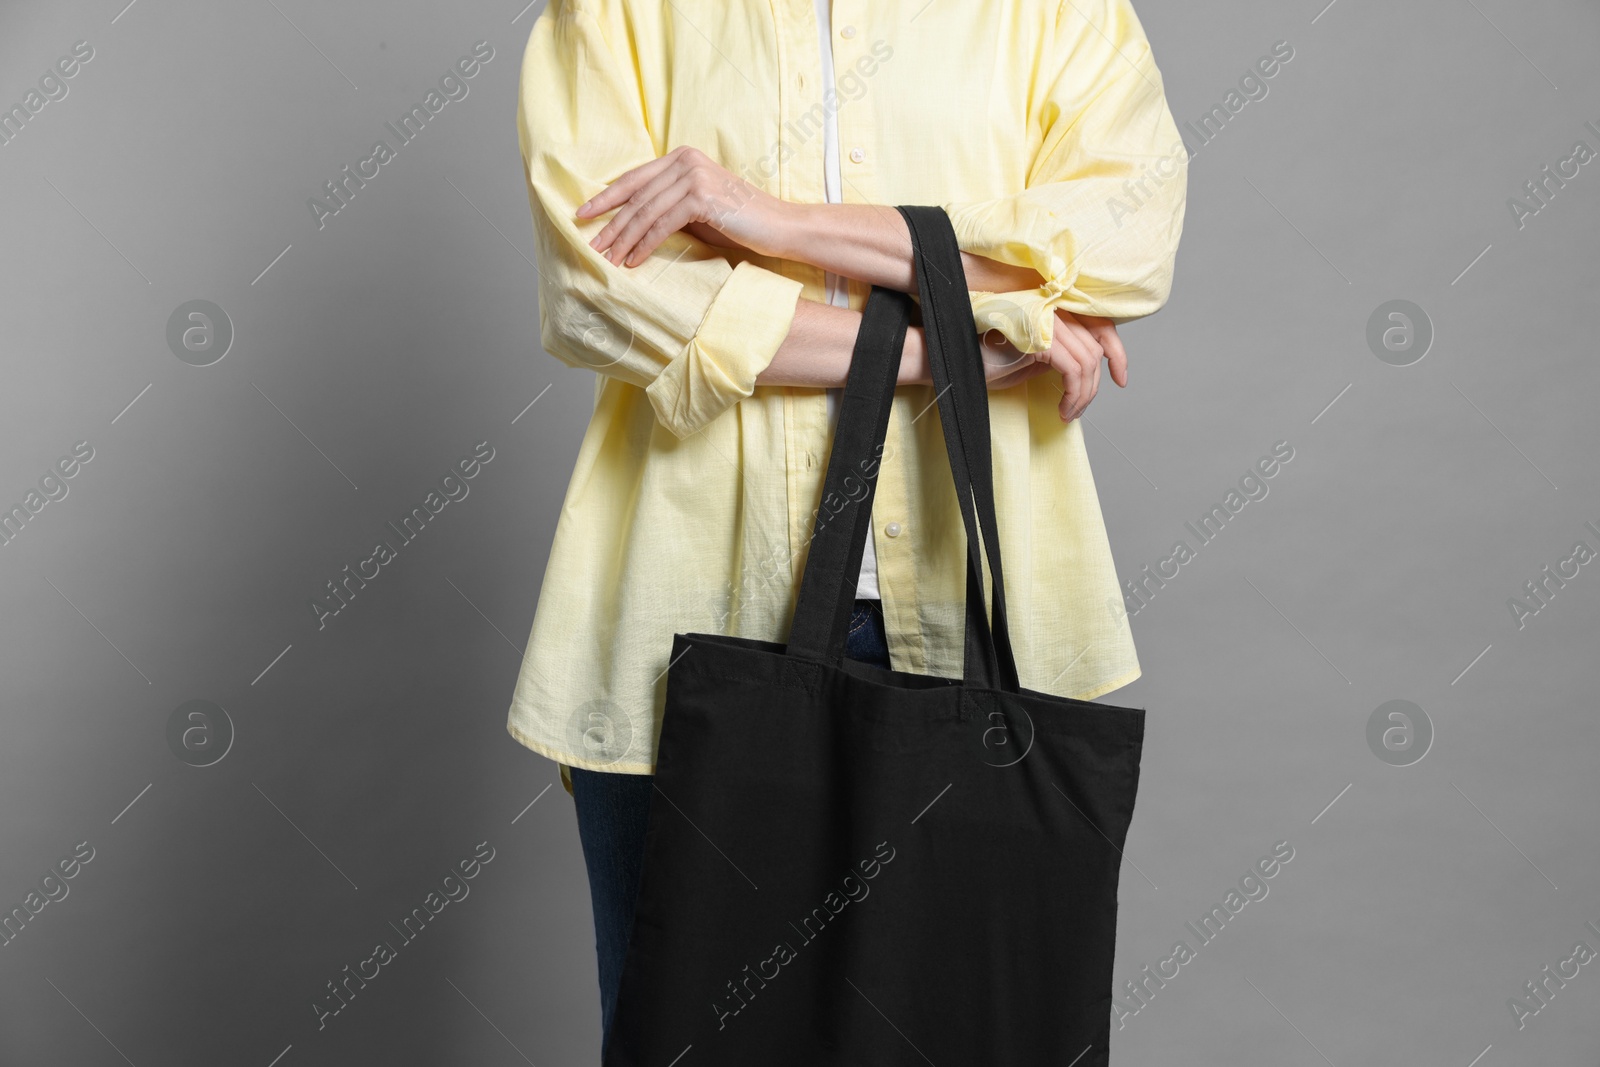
(997, 229)
(742, 329)
(1025, 317)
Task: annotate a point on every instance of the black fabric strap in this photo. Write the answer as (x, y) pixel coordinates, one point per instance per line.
(844, 519)
(843, 523)
(956, 360)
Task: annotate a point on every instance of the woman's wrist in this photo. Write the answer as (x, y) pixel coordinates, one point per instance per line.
(914, 368)
(864, 242)
(784, 236)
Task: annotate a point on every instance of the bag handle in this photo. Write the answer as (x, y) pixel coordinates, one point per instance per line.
(822, 610)
(839, 534)
(956, 360)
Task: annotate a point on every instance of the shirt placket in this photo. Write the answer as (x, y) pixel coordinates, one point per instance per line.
(801, 179)
(895, 532)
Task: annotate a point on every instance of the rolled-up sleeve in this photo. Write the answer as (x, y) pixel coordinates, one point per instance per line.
(686, 325)
(1102, 211)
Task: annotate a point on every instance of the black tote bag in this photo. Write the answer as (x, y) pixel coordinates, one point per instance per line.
(848, 865)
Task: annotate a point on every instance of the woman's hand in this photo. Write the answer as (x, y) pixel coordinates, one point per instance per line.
(1077, 345)
(688, 190)
(683, 190)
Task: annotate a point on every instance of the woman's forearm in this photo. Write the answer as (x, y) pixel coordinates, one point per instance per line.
(821, 341)
(870, 242)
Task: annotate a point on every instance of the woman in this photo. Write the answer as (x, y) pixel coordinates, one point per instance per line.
(712, 187)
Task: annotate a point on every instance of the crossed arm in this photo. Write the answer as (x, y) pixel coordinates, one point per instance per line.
(687, 190)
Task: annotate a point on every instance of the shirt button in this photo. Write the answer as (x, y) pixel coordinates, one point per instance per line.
(848, 32)
(857, 155)
(893, 529)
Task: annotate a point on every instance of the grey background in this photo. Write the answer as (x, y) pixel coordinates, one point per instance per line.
(372, 755)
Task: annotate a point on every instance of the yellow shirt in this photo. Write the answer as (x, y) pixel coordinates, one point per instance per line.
(1040, 126)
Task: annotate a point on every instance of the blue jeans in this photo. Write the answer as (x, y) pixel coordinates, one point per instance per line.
(613, 810)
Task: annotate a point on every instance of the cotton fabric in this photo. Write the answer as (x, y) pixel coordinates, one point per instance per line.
(613, 814)
(836, 289)
(695, 491)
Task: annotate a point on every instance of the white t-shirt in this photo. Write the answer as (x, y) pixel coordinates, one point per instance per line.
(867, 580)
